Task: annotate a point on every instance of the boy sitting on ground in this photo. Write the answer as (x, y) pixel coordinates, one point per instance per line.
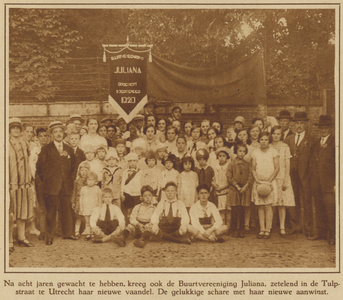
(140, 226)
(107, 221)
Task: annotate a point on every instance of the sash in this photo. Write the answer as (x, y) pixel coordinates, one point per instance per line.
(127, 181)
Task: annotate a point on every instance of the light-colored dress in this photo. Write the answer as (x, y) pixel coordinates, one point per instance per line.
(96, 141)
(264, 169)
(188, 182)
(285, 198)
(221, 179)
(90, 197)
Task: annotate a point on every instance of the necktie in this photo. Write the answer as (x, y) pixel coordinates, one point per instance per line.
(108, 214)
(297, 143)
(60, 147)
(170, 214)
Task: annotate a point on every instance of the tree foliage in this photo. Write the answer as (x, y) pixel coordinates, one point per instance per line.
(39, 42)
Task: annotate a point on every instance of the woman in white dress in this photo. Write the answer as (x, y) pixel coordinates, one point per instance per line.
(92, 137)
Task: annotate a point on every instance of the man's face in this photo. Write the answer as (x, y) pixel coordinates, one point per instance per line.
(284, 123)
(42, 138)
(170, 192)
(111, 132)
(78, 125)
(203, 195)
(325, 131)
(107, 198)
(150, 109)
(205, 125)
(57, 134)
(28, 133)
(238, 125)
(122, 126)
(177, 113)
(262, 111)
(300, 126)
(151, 120)
(74, 140)
(70, 128)
(139, 124)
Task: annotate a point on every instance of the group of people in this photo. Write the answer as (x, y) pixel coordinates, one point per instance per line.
(171, 179)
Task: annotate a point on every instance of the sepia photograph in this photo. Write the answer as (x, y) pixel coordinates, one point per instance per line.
(175, 137)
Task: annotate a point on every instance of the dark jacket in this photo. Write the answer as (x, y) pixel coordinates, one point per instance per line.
(56, 170)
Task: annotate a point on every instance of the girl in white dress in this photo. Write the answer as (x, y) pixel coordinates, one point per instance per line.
(90, 197)
(188, 182)
(265, 167)
(283, 179)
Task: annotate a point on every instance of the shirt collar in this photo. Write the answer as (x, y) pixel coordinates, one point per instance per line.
(58, 144)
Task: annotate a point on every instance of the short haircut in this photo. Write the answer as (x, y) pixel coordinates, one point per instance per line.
(240, 144)
(227, 154)
(172, 128)
(223, 139)
(75, 133)
(206, 120)
(147, 127)
(147, 188)
(170, 157)
(149, 116)
(243, 129)
(196, 127)
(203, 186)
(188, 159)
(93, 118)
(170, 183)
(182, 137)
(175, 108)
(112, 126)
(257, 119)
(188, 121)
(93, 175)
(277, 127)
(265, 133)
(151, 156)
(107, 191)
(39, 130)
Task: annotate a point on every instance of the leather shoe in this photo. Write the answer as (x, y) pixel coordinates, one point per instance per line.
(332, 242)
(49, 242)
(25, 243)
(72, 237)
(41, 236)
(315, 238)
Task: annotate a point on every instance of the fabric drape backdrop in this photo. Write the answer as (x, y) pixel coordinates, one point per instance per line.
(242, 83)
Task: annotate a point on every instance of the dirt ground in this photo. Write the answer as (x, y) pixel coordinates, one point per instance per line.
(293, 251)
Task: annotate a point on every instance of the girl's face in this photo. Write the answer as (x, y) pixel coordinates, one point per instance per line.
(264, 141)
(211, 134)
(216, 125)
(241, 152)
(171, 135)
(83, 172)
(187, 166)
(161, 125)
(188, 127)
(170, 192)
(132, 164)
(196, 134)
(15, 131)
(276, 136)
(259, 124)
(90, 156)
(139, 151)
(92, 126)
(218, 143)
(90, 181)
(161, 153)
(101, 154)
(151, 162)
(254, 133)
(147, 197)
(102, 131)
(112, 162)
(169, 165)
(150, 133)
(243, 135)
(83, 131)
(202, 162)
(120, 149)
(222, 158)
(231, 135)
(181, 145)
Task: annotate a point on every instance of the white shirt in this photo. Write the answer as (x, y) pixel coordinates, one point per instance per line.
(99, 213)
(59, 145)
(302, 134)
(324, 139)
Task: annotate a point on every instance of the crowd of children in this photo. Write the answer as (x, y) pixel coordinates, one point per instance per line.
(178, 181)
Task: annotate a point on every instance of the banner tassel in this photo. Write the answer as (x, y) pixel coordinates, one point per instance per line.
(150, 56)
(104, 56)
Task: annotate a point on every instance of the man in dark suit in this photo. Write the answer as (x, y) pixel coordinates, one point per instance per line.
(55, 165)
(284, 120)
(322, 167)
(74, 140)
(300, 144)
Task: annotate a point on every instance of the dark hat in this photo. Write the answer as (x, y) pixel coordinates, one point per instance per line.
(325, 120)
(300, 116)
(284, 114)
(120, 142)
(120, 120)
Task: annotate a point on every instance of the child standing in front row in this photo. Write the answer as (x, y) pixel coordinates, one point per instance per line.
(79, 182)
(90, 197)
(95, 164)
(240, 178)
(188, 182)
